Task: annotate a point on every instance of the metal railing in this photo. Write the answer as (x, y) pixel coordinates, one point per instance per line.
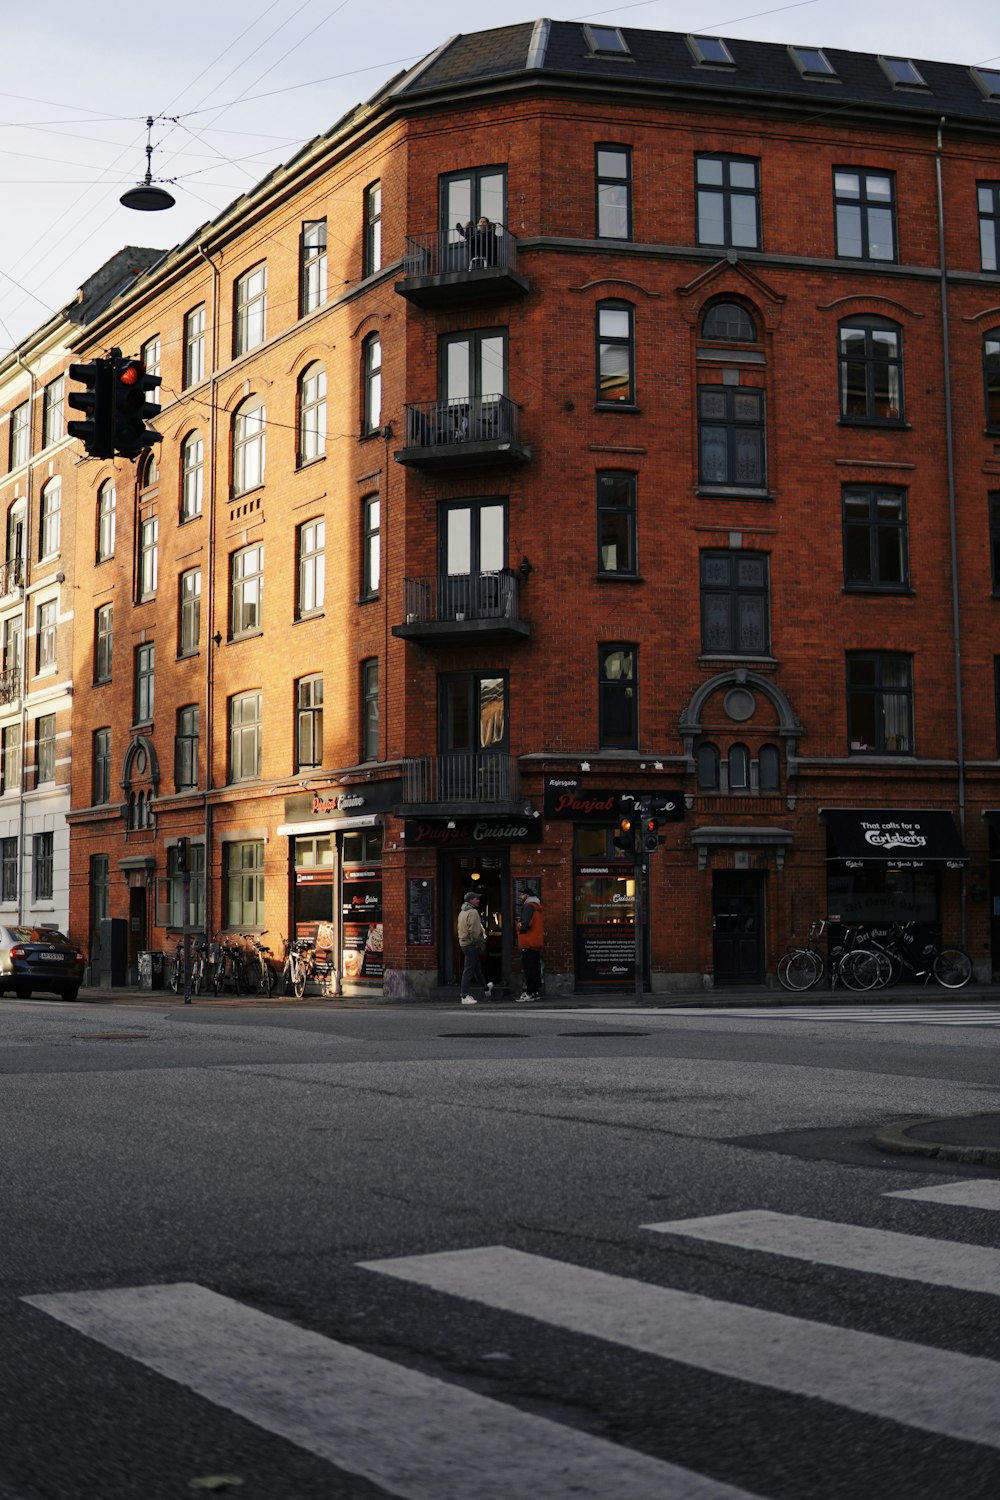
(11, 575)
(480, 419)
(445, 252)
(10, 685)
(461, 596)
(484, 776)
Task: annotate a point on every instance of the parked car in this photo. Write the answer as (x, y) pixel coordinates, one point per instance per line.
(39, 958)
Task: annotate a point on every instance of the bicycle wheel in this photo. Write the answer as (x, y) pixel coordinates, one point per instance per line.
(860, 969)
(952, 968)
(175, 974)
(266, 978)
(197, 973)
(799, 969)
(218, 976)
(299, 984)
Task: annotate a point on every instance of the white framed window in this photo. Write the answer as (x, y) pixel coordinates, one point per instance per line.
(192, 476)
(250, 321)
(249, 431)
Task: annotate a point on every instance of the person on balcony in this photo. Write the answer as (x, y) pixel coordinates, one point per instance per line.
(481, 239)
(472, 941)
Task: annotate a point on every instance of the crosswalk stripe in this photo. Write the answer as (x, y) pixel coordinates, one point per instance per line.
(957, 1395)
(974, 1193)
(416, 1436)
(852, 1247)
(880, 1015)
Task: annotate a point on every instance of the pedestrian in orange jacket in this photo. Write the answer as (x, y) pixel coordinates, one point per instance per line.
(530, 940)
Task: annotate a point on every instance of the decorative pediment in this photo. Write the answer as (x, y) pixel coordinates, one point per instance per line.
(732, 278)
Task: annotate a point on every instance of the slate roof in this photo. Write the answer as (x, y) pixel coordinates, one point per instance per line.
(557, 52)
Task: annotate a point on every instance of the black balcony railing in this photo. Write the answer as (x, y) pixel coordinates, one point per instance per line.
(464, 777)
(11, 575)
(10, 685)
(462, 596)
(481, 429)
(446, 253)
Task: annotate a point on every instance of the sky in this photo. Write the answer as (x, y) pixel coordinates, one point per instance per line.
(234, 87)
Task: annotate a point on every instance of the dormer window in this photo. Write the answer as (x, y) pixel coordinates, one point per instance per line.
(606, 41)
(812, 62)
(711, 51)
(902, 73)
(988, 80)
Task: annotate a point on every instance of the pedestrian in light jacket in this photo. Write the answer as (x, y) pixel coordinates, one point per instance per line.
(472, 941)
(530, 940)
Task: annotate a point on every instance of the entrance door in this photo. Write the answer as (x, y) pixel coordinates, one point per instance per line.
(487, 874)
(738, 927)
(137, 941)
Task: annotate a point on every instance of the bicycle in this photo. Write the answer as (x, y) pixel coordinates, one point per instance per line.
(950, 967)
(258, 963)
(227, 968)
(302, 965)
(199, 967)
(175, 971)
(802, 968)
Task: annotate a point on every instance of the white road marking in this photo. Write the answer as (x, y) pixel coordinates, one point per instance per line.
(416, 1436)
(971, 1193)
(852, 1247)
(934, 1390)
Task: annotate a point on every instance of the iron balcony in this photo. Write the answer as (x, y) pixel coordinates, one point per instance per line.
(480, 431)
(458, 782)
(464, 607)
(440, 271)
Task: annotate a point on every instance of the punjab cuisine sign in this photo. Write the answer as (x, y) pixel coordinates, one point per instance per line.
(565, 797)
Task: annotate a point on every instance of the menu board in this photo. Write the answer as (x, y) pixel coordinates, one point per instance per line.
(420, 914)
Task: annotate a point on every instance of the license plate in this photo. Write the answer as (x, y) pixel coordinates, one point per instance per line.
(50, 958)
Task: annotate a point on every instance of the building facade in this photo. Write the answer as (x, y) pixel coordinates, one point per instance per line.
(595, 414)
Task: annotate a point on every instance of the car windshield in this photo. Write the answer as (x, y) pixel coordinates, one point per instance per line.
(36, 935)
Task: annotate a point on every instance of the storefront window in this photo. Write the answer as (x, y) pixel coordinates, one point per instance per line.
(603, 912)
(361, 910)
(314, 875)
(878, 897)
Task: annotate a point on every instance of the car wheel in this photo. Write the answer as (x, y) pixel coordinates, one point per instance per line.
(22, 992)
(70, 993)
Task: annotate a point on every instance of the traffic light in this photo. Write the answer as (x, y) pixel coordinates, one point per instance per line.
(181, 857)
(94, 431)
(625, 836)
(651, 836)
(130, 408)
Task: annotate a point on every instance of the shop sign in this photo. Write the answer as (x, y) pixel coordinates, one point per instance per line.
(329, 803)
(567, 797)
(438, 833)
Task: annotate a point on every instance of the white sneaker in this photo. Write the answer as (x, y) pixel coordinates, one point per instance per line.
(469, 1000)
(489, 990)
(526, 999)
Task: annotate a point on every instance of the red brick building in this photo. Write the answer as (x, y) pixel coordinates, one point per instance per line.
(679, 477)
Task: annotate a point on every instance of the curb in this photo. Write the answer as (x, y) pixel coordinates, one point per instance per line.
(894, 1138)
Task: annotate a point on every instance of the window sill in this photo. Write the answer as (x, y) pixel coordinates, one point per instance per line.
(244, 635)
(732, 492)
(870, 590)
(366, 437)
(619, 578)
(629, 406)
(368, 598)
(195, 515)
(308, 463)
(142, 726)
(713, 657)
(883, 424)
(188, 655)
(310, 614)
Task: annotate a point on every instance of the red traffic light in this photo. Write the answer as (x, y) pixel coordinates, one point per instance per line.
(625, 825)
(131, 372)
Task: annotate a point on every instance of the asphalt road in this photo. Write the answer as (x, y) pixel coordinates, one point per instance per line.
(311, 1253)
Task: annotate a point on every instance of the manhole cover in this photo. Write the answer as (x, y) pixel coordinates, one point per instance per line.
(604, 1033)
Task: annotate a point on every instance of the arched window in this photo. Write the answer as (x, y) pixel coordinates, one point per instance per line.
(50, 519)
(371, 366)
(249, 427)
(312, 414)
(107, 520)
(708, 768)
(150, 473)
(871, 370)
(15, 537)
(192, 475)
(991, 378)
(728, 322)
(769, 768)
(739, 768)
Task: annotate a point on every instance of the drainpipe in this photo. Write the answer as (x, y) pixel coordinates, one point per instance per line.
(949, 438)
(23, 684)
(210, 589)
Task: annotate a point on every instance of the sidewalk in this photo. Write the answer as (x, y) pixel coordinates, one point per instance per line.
(759, 996)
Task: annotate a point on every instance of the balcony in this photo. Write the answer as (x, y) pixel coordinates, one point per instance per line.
(454, 609)
(476, 433)
(10, 686)
(11, 576)
(460, 782)
(439, 271)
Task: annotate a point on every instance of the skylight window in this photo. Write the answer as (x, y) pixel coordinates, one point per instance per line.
(902, 73)
(812, 62)
(711, 50)
(988, 80)
(607, 40)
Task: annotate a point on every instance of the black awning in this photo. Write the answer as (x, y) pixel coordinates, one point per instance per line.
(906, 837)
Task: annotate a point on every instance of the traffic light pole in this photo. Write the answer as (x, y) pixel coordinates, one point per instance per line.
(640, 871)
